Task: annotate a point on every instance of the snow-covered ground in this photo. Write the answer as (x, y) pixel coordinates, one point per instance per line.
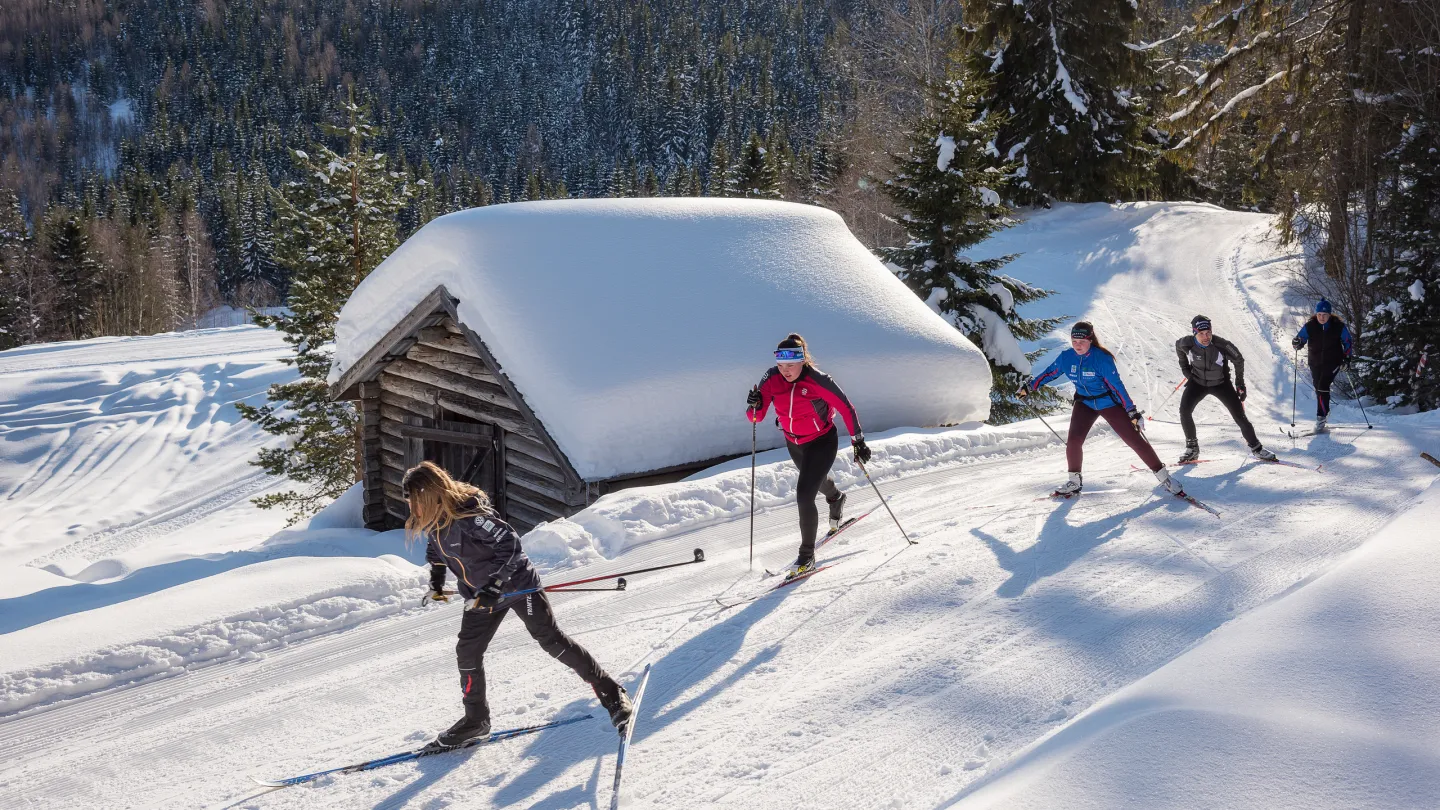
(1025, 653)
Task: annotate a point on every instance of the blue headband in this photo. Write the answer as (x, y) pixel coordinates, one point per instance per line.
(790, 355)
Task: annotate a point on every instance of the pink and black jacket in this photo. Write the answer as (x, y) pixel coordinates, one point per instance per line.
(803, 408)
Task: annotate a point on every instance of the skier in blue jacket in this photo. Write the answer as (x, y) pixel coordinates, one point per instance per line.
(1098, 392)
(1331, 348)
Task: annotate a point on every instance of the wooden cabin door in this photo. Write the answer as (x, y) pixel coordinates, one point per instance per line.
(469, 451)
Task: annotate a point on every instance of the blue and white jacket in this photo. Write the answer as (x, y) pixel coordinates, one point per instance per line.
(1097, 381)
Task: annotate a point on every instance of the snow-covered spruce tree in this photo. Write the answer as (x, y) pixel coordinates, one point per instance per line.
(1064, 82)
(18, 322)
(1404, 330)
(334, 227)
(76, 271)
(757, 175)
(948, 188)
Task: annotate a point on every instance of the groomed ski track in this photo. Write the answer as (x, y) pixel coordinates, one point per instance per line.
(895, 679)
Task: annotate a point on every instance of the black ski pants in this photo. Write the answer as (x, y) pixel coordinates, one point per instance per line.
(1323, 379)
(477, 628)
(1225, 392)
(814, 459)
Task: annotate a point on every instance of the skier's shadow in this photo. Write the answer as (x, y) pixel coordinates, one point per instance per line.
(1059, 545)
(679, 670)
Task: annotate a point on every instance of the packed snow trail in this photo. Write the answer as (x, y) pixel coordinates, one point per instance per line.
(896, 679)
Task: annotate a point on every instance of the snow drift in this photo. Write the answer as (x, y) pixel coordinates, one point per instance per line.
(634, 327)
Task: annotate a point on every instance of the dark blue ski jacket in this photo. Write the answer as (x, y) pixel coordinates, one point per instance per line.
(1097, 381)
(479, 550)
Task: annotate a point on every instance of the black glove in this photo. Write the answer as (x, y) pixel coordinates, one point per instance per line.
(1137, 417)
(862, 452)
(1297, 343)
(1240, 391)
(753, 399)
(437, 578)
(488, 597)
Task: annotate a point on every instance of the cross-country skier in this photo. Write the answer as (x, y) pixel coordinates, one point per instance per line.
(1098, 392)
(1330, 349)
(805, 399)
(1203, 360)
(465, 536)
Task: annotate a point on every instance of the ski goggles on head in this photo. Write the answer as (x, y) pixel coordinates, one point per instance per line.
(789, 355)
(1200, 326)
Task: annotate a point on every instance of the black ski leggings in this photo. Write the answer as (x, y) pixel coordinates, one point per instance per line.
(1323, 379)
(477, 628)
(1225, 392)
(814, 459)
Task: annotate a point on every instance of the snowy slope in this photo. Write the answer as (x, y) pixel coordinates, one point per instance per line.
(901, 677)
(633, 327)
(1327, 698)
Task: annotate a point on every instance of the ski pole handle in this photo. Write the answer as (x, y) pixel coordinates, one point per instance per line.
(425, 600)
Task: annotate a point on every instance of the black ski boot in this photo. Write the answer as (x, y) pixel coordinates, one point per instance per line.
(803, 563)
(468, 728)
(1192, 453)
(837, 511)
(616, 701)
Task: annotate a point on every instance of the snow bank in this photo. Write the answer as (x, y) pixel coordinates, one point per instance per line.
(631, 517)
(1327, 698)
(242, 612)
(634, 327)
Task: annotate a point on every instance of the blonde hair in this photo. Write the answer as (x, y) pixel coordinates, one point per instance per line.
(436, 500)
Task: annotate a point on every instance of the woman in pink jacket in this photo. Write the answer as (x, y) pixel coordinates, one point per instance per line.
(805, 399)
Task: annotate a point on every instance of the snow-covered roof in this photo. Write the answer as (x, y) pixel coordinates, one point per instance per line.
(634, 327)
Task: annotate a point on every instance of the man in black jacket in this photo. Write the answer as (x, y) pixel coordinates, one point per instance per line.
(1205, 360)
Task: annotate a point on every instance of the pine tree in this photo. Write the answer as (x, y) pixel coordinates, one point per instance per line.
(720, 178)
(757, 175)
(949, 189)
(19, 322)
(335, 227)
(77, 273)
(1063, 80)
(1404, 334)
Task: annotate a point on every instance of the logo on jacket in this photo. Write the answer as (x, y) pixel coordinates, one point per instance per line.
(804, 392)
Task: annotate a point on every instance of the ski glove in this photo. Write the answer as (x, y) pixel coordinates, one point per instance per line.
(488, 597)
(1137, 418)
(437, 578)
(1240, 391)
(862, 452)
(753, 400)
(1297, 343)
(439, 596)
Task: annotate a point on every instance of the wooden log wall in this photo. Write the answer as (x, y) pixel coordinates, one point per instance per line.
(376, 515)
(443, 372)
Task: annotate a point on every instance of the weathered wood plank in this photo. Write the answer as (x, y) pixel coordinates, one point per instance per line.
(392, 444)
(537, 483)
(451, 381)
(478, 438)
(521, 491)
(394, 407)
(424, 314)
(535, 466)
(531, 448)
(452, 401)
(525, 518)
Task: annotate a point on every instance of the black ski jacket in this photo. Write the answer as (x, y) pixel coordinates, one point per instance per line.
(1206, 365)
(1329, 344)
(478, 550)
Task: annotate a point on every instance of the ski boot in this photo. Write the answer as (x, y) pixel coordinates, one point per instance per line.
(616, 701)
(1070, 488)
(1259, 451)
(1192, 453)
(468, 728)
(1171, 485)
(803, 563)
(837, 511)
(1320, 426)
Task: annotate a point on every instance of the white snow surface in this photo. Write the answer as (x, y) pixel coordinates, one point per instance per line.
(1327, 698)
(633, 327)
(1025, 653)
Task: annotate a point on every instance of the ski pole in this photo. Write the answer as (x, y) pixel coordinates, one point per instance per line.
(752, 496)
(1358, 401)
(699, 558)
(884, 503)
(1168, 397)
(1042, 419)
(1430, 459)
(1294, 385)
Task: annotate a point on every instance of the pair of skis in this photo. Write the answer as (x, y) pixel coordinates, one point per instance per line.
(627, 732)
(791, 577)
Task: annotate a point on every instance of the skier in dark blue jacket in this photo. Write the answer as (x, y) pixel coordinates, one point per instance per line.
(1098, 392)
(1331, 348)
(466, 537)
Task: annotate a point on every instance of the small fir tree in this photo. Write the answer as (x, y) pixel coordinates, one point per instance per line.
(757, 175)
(18, 321)
(949, 190)
(77, 272)
(335, 226)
